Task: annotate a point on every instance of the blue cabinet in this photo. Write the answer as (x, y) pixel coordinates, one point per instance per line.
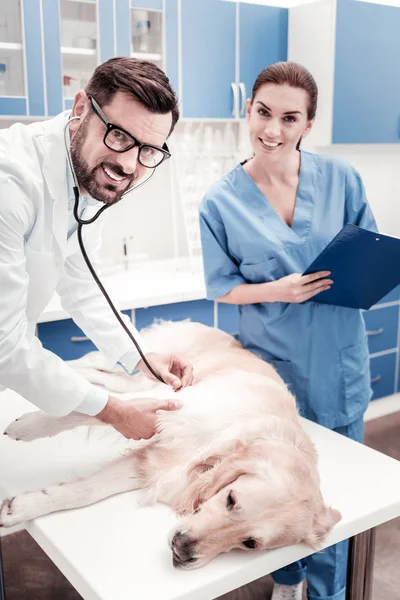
(65, 338)
(393, 296)
(208, 58)
(105, 11)
(213, 50)
(383, 370)
(34, 57)
(382, 327)
(218, 66)
(263, 40)
(134, 21)
(21, 57)
(366, 83)
(172, 43)
(52, 56)
(62, 41)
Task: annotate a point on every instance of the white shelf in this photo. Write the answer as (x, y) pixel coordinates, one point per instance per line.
(146, 56)
(10, 46)
(78, 51)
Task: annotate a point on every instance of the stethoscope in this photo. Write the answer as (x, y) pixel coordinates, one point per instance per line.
(81, 223)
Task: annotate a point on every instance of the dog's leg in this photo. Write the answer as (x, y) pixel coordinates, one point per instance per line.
(94, 368)
(117, 477)
(113, 382)
(37, 424)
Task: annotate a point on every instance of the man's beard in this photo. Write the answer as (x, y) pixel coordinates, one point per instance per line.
(108, 193)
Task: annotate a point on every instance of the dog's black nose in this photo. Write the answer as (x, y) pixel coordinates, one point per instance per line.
(182, 549)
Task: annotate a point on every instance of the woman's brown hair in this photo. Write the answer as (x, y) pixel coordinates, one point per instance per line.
(294, 75)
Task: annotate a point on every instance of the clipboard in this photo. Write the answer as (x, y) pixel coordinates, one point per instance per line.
(364, 265)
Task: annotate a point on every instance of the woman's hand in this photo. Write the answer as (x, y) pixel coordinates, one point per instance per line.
(299, 288)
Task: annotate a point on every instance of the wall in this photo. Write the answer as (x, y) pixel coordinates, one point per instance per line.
(378, 167)
(145, 218)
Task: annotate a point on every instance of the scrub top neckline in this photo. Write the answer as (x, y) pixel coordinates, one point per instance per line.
(305, 197)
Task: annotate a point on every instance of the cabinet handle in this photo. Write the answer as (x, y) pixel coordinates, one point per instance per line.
(79, 338)
(243, 94)
(376, 379)
(235, 91)
(375, 331)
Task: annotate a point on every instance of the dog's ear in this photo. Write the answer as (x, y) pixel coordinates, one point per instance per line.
(324, 520)
(208, 476)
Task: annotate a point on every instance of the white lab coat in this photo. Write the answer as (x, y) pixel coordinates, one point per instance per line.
(36, 259)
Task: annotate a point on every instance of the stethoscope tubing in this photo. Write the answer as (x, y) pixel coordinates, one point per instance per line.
(81, 223)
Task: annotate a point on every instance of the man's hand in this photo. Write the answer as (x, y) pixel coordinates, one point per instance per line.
(299, 288)
(135, 419)
(175, 370)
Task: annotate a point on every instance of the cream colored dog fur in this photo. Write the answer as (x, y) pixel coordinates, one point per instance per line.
(233, 462)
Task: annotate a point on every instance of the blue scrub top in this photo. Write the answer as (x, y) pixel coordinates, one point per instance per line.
(320, 350)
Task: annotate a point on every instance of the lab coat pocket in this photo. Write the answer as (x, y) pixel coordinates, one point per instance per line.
(260, 272)
(42, 273)
(354, 362)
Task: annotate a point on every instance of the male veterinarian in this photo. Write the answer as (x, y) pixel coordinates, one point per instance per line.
(113, 138)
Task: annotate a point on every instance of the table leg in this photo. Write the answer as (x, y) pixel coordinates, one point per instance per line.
(2, 590)
(360, 566)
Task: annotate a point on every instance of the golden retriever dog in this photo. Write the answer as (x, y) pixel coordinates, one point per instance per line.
(233, 462)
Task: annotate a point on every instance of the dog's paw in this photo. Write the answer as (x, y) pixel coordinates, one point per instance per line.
(30, 426)
(25, 507)
(10, 513)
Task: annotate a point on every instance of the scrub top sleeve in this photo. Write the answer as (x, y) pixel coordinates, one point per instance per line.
(358, 211)
(221, 273)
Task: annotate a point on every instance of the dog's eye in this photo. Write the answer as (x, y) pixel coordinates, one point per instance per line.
(250, 543)
(230, 501)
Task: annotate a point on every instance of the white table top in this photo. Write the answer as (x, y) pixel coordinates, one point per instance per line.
(117, 549)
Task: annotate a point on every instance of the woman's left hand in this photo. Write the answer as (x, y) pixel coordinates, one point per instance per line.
(175, 370)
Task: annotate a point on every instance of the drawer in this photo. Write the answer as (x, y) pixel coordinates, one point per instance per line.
(383, 374)
(382, 328)
(398, 375)
(201, 311)
(65, 338)
(392, 296)
(228, 318)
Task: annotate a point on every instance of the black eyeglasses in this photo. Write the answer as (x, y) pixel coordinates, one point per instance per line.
(119, 140)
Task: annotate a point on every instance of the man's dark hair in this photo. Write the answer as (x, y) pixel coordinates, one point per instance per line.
(143, 80)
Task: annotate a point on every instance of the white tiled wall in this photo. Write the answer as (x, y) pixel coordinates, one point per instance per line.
(146, 218)
(378, 166)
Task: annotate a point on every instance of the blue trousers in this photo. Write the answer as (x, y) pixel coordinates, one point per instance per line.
(325, 571)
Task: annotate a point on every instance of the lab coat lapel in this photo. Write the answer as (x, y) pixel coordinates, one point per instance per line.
(54, 171)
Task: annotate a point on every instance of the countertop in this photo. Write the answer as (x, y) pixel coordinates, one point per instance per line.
(150, 283)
